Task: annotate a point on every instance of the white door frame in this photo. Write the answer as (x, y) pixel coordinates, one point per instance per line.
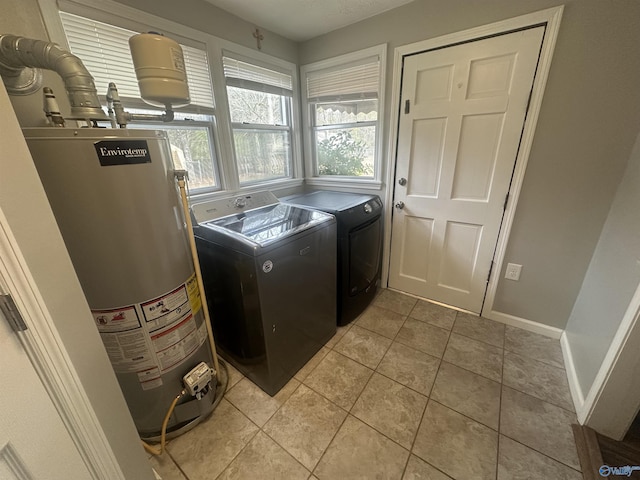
(47, 354)
(549, 17)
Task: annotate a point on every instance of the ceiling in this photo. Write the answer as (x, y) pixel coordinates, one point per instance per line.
(301, 20)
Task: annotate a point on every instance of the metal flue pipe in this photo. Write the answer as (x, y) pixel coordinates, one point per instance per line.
(18, 52)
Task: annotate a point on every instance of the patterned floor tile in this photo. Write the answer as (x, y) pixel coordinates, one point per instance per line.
(423, 337)
(410, 367)
(534, 345)
(418, 469)
(517, 462)
(358, 452)
(468, 393)
(395, 301)
(390, 408)
(539, 425)
(339, 379)
(305, 425)
(255, 403)
(537, 379)
(363, 346)
(437, 315)
(479, 328)
(478, 357)
(457, 445)
(205, 451)
(382, 321)
(264, 459)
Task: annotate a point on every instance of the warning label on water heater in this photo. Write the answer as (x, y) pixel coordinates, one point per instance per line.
(155, 336)
(118, 320)
(165, 310)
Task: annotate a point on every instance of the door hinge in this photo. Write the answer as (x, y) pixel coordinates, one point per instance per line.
(506, 199)
(8, 307)
(407, 106)
(490, 270)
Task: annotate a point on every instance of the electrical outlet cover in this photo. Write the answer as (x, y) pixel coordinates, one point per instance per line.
(513, 271)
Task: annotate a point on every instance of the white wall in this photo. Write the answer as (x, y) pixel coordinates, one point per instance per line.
(611, 280)
(588, 122)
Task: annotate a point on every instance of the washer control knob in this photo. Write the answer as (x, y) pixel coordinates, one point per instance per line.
(402, 182)
(368, 208)
(399, 205)
(240, 202)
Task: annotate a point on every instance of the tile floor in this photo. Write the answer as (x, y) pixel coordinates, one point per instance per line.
(409, 390)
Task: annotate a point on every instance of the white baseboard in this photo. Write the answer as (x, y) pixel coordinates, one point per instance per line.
(553, 332)
(572, 377)
(524, 324)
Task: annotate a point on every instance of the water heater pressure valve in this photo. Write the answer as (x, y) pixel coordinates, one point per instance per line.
(198, 380)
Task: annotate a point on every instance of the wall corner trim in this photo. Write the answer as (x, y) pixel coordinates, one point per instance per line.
(572, 376)
(619, 365)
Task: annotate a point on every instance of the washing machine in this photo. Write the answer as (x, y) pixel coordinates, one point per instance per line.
(359, 246)
(269, 273)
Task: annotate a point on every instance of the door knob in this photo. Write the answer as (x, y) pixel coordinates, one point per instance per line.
(399, 205)
(402, 182)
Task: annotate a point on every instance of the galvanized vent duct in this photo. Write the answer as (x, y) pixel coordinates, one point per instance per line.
(18, 53)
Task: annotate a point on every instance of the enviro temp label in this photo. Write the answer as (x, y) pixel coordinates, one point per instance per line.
(153, 337)
(122, 152)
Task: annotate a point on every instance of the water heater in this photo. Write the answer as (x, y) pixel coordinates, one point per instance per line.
(114, 197)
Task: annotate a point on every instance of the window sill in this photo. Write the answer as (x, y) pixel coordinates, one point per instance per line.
(368, 184)
(274, 186)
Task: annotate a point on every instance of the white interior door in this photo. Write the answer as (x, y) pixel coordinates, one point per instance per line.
(463, 113)
(34, 443)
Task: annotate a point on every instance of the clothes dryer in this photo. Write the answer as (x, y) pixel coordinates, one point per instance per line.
(359, 237)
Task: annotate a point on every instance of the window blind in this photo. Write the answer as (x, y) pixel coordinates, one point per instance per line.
(104, 50)
(345, 82)
(253, 77)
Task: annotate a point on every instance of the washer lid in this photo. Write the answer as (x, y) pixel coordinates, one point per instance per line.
(266, 225)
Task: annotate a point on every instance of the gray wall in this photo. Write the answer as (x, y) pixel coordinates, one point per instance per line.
(210, 19)
(611, 280)
(587, 126)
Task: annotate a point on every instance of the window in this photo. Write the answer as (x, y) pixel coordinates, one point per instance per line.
(104, 49)
(191, 145)
(240, 132)
(343, 97)
(260, 104)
